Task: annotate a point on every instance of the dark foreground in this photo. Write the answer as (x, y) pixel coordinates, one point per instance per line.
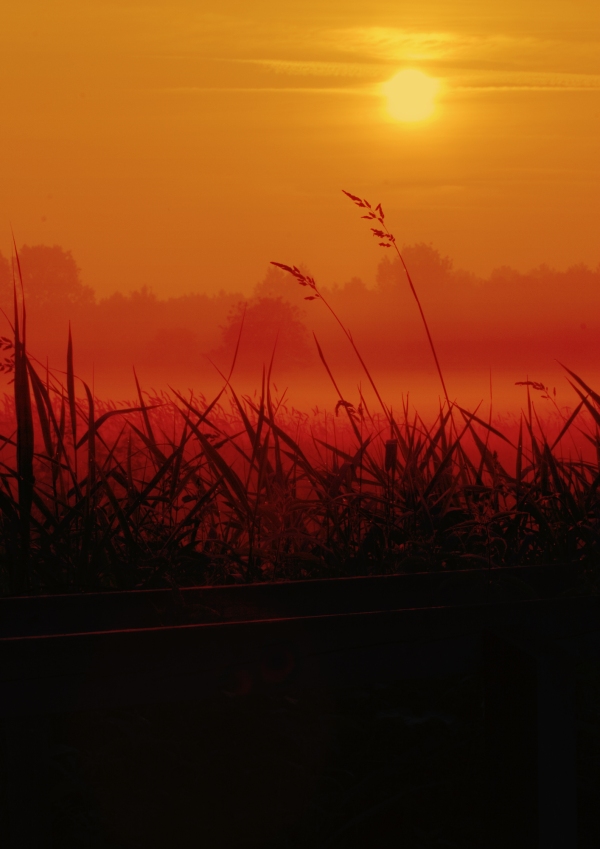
(338, 713)
(395, 765)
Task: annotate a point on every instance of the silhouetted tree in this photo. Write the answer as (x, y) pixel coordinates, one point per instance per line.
(267, 321)
(278, 284)
(51, 278)
(427, 267)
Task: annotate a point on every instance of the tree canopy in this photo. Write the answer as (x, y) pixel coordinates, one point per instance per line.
(51, 277)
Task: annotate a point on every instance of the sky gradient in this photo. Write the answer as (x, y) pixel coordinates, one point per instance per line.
(183, 146)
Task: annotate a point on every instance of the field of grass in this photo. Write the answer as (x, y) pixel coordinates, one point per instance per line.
(177, 488)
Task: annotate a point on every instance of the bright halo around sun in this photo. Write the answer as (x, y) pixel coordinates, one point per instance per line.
(410, 95)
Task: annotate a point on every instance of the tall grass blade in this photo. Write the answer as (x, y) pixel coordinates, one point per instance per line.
(71, 395)
(591, 409)
(25, 439)
(588, 390)
(567, 425)
(144, 411)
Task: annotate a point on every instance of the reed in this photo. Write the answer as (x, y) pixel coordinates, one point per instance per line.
(388, 240)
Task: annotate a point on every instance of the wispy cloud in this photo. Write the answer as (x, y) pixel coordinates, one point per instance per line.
(472, 60)
(356, 60)
(368, 75)
(386, 44)
(272, 89)
(464, 61)
(525, 80)
(309, 68)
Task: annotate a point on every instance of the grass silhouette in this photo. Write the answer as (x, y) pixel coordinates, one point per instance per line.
(179, 489)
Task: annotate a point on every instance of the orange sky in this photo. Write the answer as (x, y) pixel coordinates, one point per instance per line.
(184, 145)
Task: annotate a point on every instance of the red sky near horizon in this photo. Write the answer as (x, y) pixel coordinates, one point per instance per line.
(183, 146)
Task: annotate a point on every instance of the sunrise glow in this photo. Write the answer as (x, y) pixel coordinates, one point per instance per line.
(299, 330)
(410, 95)
(154, 161)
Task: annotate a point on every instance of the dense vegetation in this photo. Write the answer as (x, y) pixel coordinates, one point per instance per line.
(240, 489)
(174, 488)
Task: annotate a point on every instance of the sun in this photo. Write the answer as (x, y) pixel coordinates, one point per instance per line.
(410, 95)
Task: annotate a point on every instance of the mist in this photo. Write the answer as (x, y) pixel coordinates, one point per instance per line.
(490, 334)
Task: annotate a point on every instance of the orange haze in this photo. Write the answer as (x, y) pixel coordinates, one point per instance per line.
(181, 145)
(154, 157)
(489, 333)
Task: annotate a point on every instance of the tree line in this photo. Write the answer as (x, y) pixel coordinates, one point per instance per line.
(507, 316)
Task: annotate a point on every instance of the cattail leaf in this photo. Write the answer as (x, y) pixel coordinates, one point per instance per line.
(91, 438)
(201, 416)
(206, 498)
(151, 445)
(41, 402)
(144, 410)
(519, 460)
(335, 450)
(145, 492)
(25, 439)
(122, 519)
(71, 388)
(295, 447)
(445, 461)
(584, 385)
(567, 425)
(485, 424)
(108, 415)
(228, 474)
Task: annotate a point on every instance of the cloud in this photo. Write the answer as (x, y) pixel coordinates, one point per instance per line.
(389, 45)
(309, 68)
(487, 53)
(368, 75)
(525, 80)
(356, 60)
(271, 89)
(465, 61)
